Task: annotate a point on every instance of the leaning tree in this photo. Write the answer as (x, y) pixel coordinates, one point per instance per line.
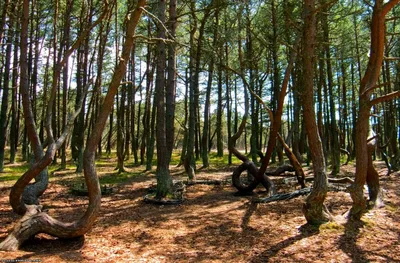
(34, 220)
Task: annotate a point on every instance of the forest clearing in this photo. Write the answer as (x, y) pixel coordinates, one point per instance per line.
(211, 225)
(200, 131)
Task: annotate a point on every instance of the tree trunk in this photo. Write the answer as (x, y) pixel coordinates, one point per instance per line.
(6, 89)
(65, 78)
(206, 122)
(121, 129)
(334, 140)
(14, 106)
(164, 180)
(314, 209)
(367, 85)
(171, 81)
(147, 105)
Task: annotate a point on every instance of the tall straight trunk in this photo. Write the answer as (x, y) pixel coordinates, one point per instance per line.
(190, 162)
(345, 126)
(276, 84)
(320, 86)
(6, 91)
(147, 105)
(120, 107)
(389, 114)
(130, 128)
(334, 140)
(110, 132)
(194, 107)
(14, 105)
(171, 80)
(297, 81)
(151, 136)
(206, 123)
(185, 121)
(105, 28)
(65, 79)
(4, 7)
(314, 209)
(135, 137)
(228, 98)
(254, 150)
(164, 180)
(353, 111)
(219, 47)
(194, 67)
(359, 75)
(78, 135)
(37, 55)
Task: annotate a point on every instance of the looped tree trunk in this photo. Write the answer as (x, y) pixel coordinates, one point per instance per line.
(254, 180)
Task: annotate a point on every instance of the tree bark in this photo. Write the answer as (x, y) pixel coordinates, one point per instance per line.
(171, 80)
(164, 180)
(314, 208)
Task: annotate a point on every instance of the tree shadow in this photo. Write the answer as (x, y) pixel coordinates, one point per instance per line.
(252, 207)
(305, 231)
(68, 249)
(348, 241)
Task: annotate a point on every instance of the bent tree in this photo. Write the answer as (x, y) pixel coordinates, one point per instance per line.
(34, 220)
(365, 172)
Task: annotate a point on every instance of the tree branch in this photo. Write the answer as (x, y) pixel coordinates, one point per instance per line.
(374, 87)
(386, 97)
(388, 6)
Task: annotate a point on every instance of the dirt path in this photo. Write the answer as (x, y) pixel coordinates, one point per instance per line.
(212, 225)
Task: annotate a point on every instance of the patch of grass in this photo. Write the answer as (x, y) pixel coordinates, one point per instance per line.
(115, 178)
(175, 158)
(13, 172)
(368, 221)
(220, 161)
(332, 227)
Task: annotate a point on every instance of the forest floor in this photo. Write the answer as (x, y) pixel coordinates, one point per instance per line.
(211, 225)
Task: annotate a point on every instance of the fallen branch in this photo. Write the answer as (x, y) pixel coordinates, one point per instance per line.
(208, 182)
(284, 196)
(280, 170)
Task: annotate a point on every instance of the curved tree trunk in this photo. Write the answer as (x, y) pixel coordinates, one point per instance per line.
(34, 221)
(367, 86)
(374, 190)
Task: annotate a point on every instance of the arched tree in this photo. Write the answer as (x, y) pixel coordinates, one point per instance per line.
(34, 220)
